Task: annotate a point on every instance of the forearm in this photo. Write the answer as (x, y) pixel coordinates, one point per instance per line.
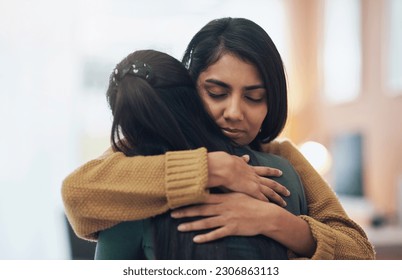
(339, 240)
(290, 230)
(335, 234)
(115, 188)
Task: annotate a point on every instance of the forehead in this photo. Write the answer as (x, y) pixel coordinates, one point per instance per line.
(230, 68)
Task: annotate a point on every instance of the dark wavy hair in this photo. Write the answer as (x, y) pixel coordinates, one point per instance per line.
(156, 109)
(249, 42)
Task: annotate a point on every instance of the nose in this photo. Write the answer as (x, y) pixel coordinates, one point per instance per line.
(233, 110)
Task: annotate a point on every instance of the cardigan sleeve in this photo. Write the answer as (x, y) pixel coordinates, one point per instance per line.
(337, 236)
(116, 188)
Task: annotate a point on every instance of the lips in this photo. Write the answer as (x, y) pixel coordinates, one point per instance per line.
(232, 130)
(232, 133)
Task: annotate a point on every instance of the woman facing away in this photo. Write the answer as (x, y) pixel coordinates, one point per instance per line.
(156, 109)
(241, 80)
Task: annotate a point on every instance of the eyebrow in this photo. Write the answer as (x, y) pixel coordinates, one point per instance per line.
(225, 85)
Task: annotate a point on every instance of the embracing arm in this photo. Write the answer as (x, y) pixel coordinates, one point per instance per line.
(326, 233)
(237, 214)
(336, 235)
(115, 188)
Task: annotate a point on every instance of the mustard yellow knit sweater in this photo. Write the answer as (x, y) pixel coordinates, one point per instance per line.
(115, 188)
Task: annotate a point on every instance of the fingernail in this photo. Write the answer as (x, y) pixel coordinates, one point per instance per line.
(197, 239)
(288, 193)
(175, 214)
(280, 172)
(284, 204)
(181, 227)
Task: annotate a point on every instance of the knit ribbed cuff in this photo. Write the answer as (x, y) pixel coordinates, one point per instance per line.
(186, 177)
(324, 237)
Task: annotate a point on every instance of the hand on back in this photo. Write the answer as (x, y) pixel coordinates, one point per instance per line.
(228, 214)
(235, 174)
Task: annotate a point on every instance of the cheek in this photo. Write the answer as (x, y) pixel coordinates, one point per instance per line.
(259, 116)
(212, 107)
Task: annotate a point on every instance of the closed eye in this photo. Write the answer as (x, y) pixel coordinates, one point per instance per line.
(216, 95)
(255, 100)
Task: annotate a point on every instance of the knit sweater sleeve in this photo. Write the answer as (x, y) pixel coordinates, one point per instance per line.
(337, 236)
(116, 188)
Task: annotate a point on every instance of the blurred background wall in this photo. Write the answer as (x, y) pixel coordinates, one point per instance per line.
(344, 68)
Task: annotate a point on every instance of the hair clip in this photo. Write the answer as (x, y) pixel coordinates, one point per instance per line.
(115, 73)
(138, 69)
(142, 70)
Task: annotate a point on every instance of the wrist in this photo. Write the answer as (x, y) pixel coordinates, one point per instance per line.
(289, 230)
(273, 214)
(217, 169)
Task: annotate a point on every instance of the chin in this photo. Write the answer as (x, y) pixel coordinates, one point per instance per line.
(240, 143)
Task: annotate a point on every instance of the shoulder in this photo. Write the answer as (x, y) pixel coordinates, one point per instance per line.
(271, 159)
(281, 152)
(288, 150)
(280, 147)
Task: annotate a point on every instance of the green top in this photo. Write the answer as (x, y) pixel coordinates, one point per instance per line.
(296, 202)
(134, 239)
